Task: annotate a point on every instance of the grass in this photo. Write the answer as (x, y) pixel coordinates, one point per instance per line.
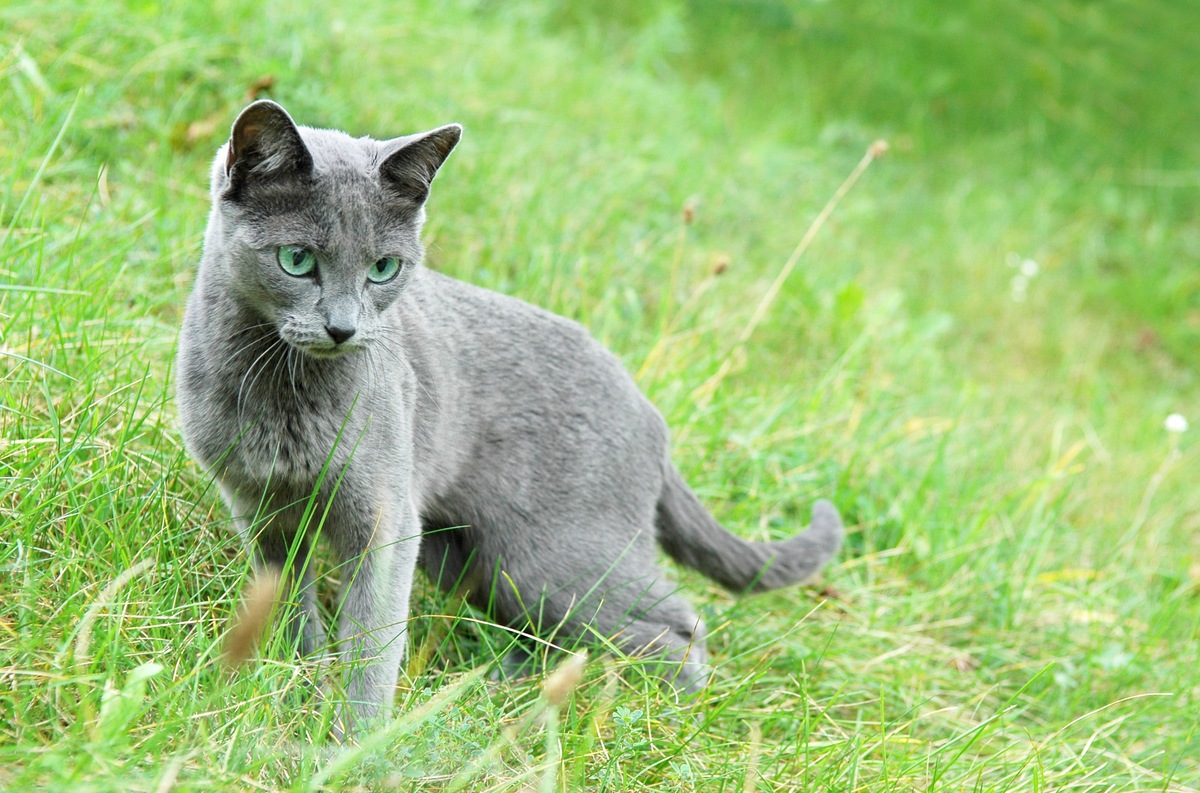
(1018, 605)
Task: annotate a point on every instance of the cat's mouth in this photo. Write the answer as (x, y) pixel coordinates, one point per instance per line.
(325, 349)
(329, 352)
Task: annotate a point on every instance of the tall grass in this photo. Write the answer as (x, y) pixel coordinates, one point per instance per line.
(1018, 605)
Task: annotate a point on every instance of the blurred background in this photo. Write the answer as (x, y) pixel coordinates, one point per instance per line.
(1058, 132)
(976, 358)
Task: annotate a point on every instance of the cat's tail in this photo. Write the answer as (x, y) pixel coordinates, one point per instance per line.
(691, 536)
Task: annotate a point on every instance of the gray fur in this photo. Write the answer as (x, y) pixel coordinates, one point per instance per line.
(496, 444)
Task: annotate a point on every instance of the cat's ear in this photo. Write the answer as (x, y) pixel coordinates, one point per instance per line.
(410, 163)
(264, 142)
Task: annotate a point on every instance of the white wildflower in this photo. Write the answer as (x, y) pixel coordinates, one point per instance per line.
(1026, 270)
(1176, 423)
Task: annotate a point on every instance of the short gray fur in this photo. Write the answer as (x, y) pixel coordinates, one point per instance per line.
(494, 443)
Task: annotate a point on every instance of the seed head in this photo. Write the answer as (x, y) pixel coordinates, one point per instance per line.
(252, 618)
(562, 681)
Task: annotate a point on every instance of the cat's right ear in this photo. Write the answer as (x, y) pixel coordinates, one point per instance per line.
(264, 143)
(410, 163)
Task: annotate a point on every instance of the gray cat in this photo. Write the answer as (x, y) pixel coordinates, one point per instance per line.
(336, 387)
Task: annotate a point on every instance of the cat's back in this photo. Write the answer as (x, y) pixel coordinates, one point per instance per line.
(499, 337)
(516, 359)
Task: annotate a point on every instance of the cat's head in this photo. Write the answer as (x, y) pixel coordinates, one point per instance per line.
(316, 232)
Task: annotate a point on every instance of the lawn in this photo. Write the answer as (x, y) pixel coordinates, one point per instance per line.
(975, 359)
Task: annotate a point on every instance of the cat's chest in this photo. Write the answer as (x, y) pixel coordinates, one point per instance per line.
(296, 441)
(299, 422)
(286, 430)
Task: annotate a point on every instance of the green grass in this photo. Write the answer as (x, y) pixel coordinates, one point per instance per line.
(1018, 605)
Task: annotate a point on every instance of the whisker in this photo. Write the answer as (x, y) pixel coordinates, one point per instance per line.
(242, 387)
(251, 343)
(282, 361)
(389, 334)
(292, 370)
(250, 328)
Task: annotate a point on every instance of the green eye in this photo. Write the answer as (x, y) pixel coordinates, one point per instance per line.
(384, 270)
(296, 260)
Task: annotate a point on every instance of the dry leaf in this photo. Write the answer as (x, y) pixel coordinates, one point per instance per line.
(259, 87)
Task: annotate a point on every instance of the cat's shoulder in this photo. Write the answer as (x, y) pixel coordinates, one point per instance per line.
(472, 313)
(434, 289)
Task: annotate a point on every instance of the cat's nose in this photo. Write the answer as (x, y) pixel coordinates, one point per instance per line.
(338, 333)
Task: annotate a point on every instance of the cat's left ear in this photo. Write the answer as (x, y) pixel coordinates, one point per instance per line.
(410, 163)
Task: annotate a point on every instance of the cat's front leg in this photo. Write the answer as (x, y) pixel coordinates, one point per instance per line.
(373, 614)
(279, 545)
